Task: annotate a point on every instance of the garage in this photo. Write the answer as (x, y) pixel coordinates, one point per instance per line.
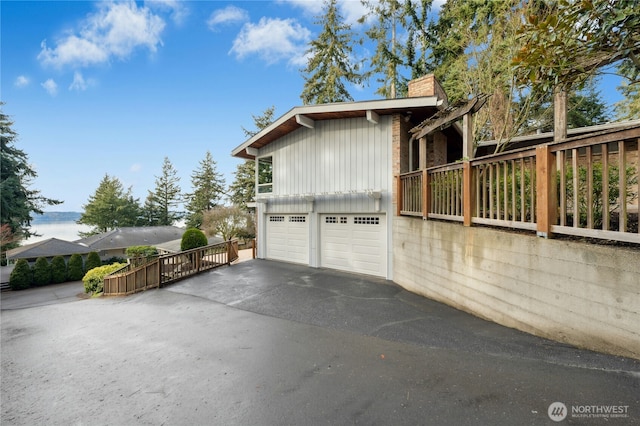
(354, 243)
(288, 237)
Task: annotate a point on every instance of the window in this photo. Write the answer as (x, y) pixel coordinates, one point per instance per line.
(297, 219)
(276, 218)
(366, 220)
(265, 175)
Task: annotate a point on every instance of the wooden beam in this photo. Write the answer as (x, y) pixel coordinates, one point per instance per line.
(305, 121)
(467, 136)
(372, 117)
(559, 115)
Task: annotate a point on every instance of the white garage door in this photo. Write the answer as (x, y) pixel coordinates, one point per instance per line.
(288, 238)
(354, 243)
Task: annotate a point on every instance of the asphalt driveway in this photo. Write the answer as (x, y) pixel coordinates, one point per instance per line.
(268, 343)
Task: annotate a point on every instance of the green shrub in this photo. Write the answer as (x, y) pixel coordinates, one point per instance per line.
(94, 279)
(114, 259)
(20, 277)
(193, 238)
(42, 271)
(93, 261)
(76, 268)
(58, 270)
(139, 255)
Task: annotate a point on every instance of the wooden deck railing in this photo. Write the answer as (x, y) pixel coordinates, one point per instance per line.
(169, 268)
(584, 186)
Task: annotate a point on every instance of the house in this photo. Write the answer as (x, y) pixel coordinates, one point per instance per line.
(114, 243)
(47, 248)
(325, 178)
(395, 189)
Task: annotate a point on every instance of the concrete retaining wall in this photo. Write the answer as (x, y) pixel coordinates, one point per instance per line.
(583, 294)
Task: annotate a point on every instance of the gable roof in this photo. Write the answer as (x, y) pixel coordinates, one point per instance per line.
(47, 248)
(131, 236)
(422, 106)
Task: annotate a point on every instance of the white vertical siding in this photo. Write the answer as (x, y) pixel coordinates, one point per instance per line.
(336, 156)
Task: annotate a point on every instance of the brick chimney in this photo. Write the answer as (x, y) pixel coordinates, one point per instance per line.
(426, 86)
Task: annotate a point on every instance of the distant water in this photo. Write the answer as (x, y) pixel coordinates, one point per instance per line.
(60, 225)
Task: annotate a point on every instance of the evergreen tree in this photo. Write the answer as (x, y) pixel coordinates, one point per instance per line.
(41, 271)
(75, 267)
(166, 196)
(58, 270)
(261, 121)
(388, 56)
(417, 47)
(243, 188)
(93, 261)
(150, 211)
(17, 201)
(330, 60)
(110, 207)
(21, 276)
(208, 190)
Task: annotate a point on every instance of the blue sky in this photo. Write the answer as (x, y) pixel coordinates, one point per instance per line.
(99, 88)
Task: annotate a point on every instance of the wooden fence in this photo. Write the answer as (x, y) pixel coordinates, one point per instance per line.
(169, 268)
(585, 186)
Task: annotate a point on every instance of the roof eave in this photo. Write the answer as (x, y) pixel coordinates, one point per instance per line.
(389, 106)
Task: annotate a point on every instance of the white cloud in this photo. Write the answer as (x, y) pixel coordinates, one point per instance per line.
(21, 81)
(176, 8)
(136, 167)
(116, 30)
(272, 39)
(229, 15)
(310, 7)
(79, 82)
(50, 86)
(351, 10)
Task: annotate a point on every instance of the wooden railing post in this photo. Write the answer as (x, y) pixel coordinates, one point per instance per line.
(398, 195)
(426, 194)
(467, 192)
(546, 210)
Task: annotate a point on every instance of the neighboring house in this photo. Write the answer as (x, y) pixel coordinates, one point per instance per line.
(171, 247)
(115, 243)
(46, 248)
(325, 178)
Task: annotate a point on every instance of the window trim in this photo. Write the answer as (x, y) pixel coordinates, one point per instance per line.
(268, 185)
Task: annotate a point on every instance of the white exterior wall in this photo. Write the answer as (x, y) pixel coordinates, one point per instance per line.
(348, 156)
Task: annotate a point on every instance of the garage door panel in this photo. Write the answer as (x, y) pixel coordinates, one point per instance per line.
(288, 238)
(354, 243)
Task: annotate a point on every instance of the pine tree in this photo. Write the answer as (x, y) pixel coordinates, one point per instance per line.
(261, 121)
(110, 207)
(166, 196)
(208, 190)
(150, 212)
(330, 60)
(17, 201)
(243, 188)
(388, 56)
